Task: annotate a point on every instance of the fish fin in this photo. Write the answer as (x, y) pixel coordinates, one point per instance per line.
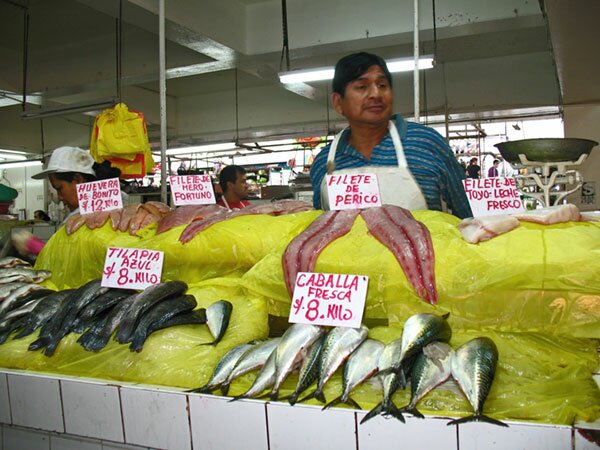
(25, 331)
(333, 402)
(414, 411)
(392, 410)
(445, 316)
(213, 343)
(374, 412)
(320, 396)
(353, 403)
(273, 395)
(206, 389)
(123, 334)
(308, 397)
(477, 418)
(39, 343)
(225, 388)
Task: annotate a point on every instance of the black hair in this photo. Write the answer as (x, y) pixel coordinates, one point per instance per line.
(43, 216)
(496, 161)
(351, 67)
(102, 170)
(229, 174)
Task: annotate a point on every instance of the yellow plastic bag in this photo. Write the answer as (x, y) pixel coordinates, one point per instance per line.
(531, 279)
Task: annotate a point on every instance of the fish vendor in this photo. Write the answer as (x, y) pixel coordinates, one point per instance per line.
(232, 181)
(414, 165)
(67, 167)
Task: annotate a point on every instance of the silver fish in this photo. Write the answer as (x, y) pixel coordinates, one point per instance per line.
(217, 319)
(7, 288)
(294, 345)
(339, 344)
(263, 381)
(12, 261)
(473, 367)
(12, 300)
(253, 359)
(362, 364)
(23, 309)
(23, 274)
(224, 368)
(431, 368)
(390, 382)
(309, 370)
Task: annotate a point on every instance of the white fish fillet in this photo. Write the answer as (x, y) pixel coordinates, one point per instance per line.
(551, 215)
(474, 230)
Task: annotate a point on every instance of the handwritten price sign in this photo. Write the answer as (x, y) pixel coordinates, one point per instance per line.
(103, 195)
(192, 190)
(352, 191)
(329, 299)
(132, 268)
(493, 196)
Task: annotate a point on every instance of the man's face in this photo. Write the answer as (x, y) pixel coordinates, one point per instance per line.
(240, 188)
(367, 101)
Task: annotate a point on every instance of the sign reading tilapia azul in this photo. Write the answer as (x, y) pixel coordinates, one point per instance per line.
(353, 191)
(102, 195)
(132, 268)
(329, 299)
(491, 196)
(192, 190)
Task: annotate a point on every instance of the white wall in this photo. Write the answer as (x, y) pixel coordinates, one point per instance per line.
(584, 122)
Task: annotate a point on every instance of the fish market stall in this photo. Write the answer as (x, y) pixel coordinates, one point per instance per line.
(164, 376)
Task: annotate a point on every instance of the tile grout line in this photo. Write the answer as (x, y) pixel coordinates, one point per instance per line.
(9, 405)
(122, 415)
(457, 438)
(189, 414)
(267, 426)
(62, 406)
(356, 429)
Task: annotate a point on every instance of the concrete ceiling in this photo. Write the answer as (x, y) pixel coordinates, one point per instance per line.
(223, 57)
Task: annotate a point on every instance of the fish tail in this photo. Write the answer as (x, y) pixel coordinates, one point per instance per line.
(374, 412)
(477, 418)
(51, 347)
(308, 397)
(412, 410)
(320, 396)
(206, 389)
(124, 332)
(333, 402)
(25, 331)
(352, 403)
(137, 342)
(391, 410)
(348, 401)
(224, 388)
(213, 343)
(39, 343)
(92, 342)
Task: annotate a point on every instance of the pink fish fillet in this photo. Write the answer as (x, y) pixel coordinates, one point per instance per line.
(395, 238)
(96, 219)
(420, 238)
(160, 206)
(474, 230)
(115, 218)
(551, 215)
(136, 220)
(126, 216)
(186, 214)
(74, 223)
(291, 256)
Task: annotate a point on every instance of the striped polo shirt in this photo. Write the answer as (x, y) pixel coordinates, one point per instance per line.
(429, 159)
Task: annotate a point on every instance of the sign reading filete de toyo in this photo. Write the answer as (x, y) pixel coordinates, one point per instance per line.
(493, 196)
(192, 190)
(329, 299)
(132, 268)
(102, 195)
(353, 191)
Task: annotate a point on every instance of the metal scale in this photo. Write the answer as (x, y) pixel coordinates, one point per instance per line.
(551, 166)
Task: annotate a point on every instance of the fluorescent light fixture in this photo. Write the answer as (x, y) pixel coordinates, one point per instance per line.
(73, 108)
(12, 165)
(202, 148)
(326, 73)
(13, 156)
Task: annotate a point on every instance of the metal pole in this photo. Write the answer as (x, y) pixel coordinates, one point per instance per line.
(163, 102)
(416, 56)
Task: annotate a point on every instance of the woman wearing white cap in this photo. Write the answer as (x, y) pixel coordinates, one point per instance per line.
(67, 167)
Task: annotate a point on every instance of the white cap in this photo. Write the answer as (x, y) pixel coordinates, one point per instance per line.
(68, 159)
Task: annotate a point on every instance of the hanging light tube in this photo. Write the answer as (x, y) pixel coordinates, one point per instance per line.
(326, 73)
(14, 164)
(202, 148)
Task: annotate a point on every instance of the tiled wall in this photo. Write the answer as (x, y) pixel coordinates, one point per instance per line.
(44, 412)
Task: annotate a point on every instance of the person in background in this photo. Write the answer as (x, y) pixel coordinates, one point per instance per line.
(67, 167)
(41, 215)
(414, 166)
(493, 171)
(232, 181)
(473, 169)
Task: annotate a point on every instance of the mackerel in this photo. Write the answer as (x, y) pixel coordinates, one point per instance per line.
(162, 312)
(431, 368)
(294, 345)
(224, 368)
(263, 381)
(142, 302)
(309, 370)
(217, 319)
(474, 367)
(339, 344)
(362, 364)
(254, 359)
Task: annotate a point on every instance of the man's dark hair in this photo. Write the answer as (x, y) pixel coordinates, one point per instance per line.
(229, 173)
(351, 67)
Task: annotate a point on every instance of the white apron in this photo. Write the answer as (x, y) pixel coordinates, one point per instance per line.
(397, 185)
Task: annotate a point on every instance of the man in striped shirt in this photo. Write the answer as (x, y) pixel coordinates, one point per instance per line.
(362, 93)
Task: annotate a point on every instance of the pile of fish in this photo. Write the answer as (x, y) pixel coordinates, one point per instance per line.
(97, 313)
(421, 355)
(131, 218)
(395, 227)
(200, 217)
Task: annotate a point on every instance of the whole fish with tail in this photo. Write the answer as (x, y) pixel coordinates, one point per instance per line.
(339, 344)
(162, 312)
(217, 319)
(473, 368)
(142, 302)
(294, 345)
(43, 312)
(431, 368)
(362, 364)
(263, 381)
(309, 370)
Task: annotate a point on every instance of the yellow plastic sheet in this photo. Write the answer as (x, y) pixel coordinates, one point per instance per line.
(170, 357)
(534, 278)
